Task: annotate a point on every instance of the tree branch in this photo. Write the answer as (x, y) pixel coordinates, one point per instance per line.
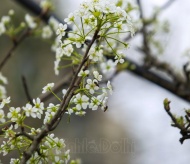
(63, 106)
(25, 86)
(15, 45)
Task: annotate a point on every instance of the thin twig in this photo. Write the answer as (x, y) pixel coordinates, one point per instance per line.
(23, 36)
(167, 4)
(25, 86)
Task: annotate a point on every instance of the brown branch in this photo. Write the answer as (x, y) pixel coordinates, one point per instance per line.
(147, 74)
(26, 90)
(166, 5)
(16, 42)
(182, 126)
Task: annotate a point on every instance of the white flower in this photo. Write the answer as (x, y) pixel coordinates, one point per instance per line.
(52, 107)
(119, 58)
(103, 99)
(92, 85)
(83, 73)
(2, 92)
(110, 87)
(109, 66)
(68, 50)
(67, 156)
(2, 116)
(95, 102)
(30, 111)
(97, 76)
(14, 161)
(58, 160)
(54, 23)
(95, 54)
(45, 4)
(14, 114)
(5, 101)
(48, 87)
(48, 116)
(56, 68)
(64, 91)
(5, 19)
(81, 101)
(11, 12)
(3, 79)
(60, 143)
(39, 106)
(61, 30)
(46, 32)
(30, 21)
(2, 28)
(69, 111)
(80, 113)
(70, 19)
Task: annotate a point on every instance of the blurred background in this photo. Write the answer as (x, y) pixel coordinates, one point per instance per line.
(135, 129)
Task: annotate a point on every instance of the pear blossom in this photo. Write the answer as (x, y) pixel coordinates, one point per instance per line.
(4, 102)
(94, 104)
(2, 116)
(48, 87)
(3, 79)
(14, 161)
(83, 73)
(81, 101)
(56, 69)
(97, 76)
(109, 87)
(108, 66)
(45, 4)
(39, 106)
(2, 28)
(68, 50)
(119, 58)
(61, 30)
(53, 23)
(30, 21)
(2, 92)
(69, 111)
(67, 156)
(80, 113)
(46, 32)
(30, 111)
(5, 19)
(48, 116)
(14, 113)
(52, 107)
(92, 85)
(70, 19)
(64, 91)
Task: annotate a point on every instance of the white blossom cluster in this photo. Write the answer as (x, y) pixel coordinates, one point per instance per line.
(52, 148)
(112, 22)
(5, 20)
(46, 31)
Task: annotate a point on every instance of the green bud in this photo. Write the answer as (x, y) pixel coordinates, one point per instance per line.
(167, 104)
